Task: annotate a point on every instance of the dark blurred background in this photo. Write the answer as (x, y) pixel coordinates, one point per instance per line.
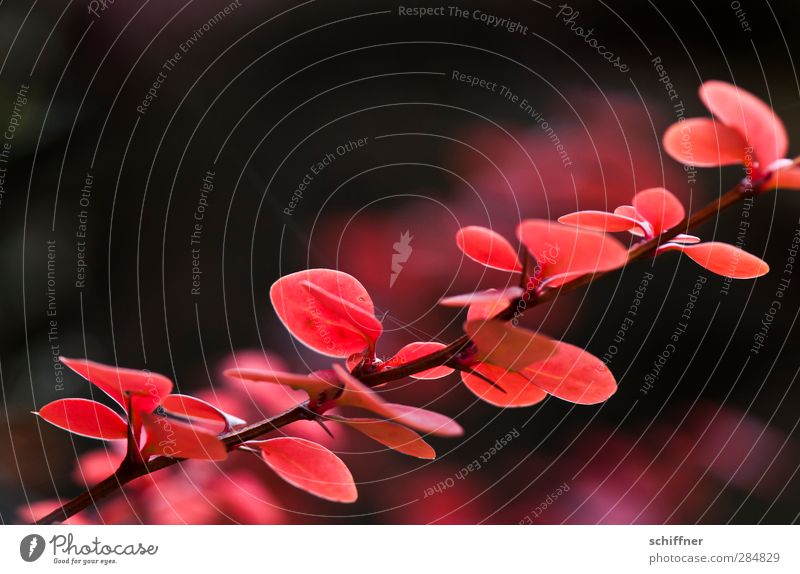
(260, 95)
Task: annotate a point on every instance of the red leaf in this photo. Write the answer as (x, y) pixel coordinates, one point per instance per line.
(176, 439)
(573, 375)
(484, 304)
(194, 408)
(702, 142)
(504, 345)
(724, 259)
(599, 221)
(314, 385)
(750, 116)
(356, 394)
(784, 178)
(309, 466)
(396, 437)
(147, 388)
(326, 310)
(565, 252)
(629, 211)
(414, 351)
(487, 248)
(685, 239)
(479, 297)
(425, 421)
(86, 418)
(660, 208)
(519, 392)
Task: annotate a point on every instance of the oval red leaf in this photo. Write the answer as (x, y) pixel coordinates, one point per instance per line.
(326, 310)
(356, 394)
(86, 418)
(425, 421)
(313, 384)
(396, 437)
(750, 116)
(516, 391)
(567, 251)
(418, 350)
(599, 221)
(660, 208)
(175, 439)
(504, 345)
(725, 260)
(309, 466)
(784, 178)
(487, 248)
(702, 142)
(194, 408)
(573, 375)
(147, 388)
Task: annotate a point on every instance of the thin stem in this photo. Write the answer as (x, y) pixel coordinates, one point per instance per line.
(129, 470)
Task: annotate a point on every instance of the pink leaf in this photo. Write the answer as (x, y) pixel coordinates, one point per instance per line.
(685, 239)
(561, 250)
(484, 304)
(194, 408)
(318, 307)
(396, 437)
(86, 418)
(725, 260)
(504, 345)
(356, 394)
(489, 296)
(599, 221)
(309, 466)
(660, 208)
(425, 421)
(519, 392)
(172, 438)
(702, 142)
(313, 384)
(146, 388)
(784, 178)
(629, 211)
(573, 375)
(750, 116)
(487, 248)
(414, 351)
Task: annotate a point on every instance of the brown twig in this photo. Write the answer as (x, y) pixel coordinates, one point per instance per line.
(129, 471)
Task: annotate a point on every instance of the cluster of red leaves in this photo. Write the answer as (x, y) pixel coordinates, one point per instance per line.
(745, 131)
(506, 365)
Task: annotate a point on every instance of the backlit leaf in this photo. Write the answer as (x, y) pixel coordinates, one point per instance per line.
(147, 388)
(519, 392)
(308, 466)
(563, 252)
(573, 375)
(414, 351)
(356, 394)
(172, 438)
(750, 116)
(660, 208)
(317, 308)
(504, 345)
(488, 248)
(725, 260)
(703, 142)
(396, 437)
(313, 384)
(599, 221)
(85, 418)
(194, 408)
